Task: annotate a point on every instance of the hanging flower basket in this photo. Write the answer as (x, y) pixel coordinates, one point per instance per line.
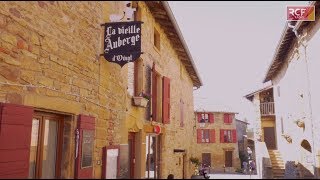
(141, 100)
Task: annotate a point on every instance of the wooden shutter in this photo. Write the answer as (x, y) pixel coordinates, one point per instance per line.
(230, 118)
(199, 136)
(199, 116)
(154, 94)
(211, 118)
(84, 123)
(212, 136)
(148, 90)
(221, 136)
(15, 139)
(166, 100)
(234, 135)
(226, 118)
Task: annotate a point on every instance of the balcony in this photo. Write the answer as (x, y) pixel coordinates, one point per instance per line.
(267, 109)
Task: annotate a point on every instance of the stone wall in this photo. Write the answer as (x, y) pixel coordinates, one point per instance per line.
(55, 46)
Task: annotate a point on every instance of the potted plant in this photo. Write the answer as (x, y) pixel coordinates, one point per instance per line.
(196, 162)
(141, 100)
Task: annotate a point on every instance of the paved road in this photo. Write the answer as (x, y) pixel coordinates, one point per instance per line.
(232, 176)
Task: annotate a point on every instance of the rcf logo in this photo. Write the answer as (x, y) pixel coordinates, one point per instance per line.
(300, 13)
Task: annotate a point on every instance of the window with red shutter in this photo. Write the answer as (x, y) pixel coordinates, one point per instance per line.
(234, 135)
(212, 136)
(15, 140)
(166, 100)
(230, 118)
(199, 116)
(226, 118)
(199, 135)
(221, 136)
(211, 118)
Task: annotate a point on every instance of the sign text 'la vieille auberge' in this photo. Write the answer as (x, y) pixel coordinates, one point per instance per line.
(122, 42)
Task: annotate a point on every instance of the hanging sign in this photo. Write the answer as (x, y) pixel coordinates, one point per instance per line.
(122, 42)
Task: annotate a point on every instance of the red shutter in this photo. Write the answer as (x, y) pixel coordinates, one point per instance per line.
(84, 123)
(199, 136)
(166, 100)
(212, 136)
(221, 136)
(234, 135)
(226, 118)
(211, 118)
(199, 116)
(154, 94)
(15, 139)
(230, 118)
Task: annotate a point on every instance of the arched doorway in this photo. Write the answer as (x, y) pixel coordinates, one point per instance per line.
(306, 159)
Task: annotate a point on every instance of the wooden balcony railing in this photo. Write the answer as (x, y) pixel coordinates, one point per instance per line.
(267, 108)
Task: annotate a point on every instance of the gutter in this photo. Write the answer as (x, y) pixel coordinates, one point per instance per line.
(176, 27)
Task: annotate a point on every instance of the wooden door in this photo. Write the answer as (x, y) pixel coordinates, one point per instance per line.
(228, 158)
(132, 156)
(269, 137)
(206, 159)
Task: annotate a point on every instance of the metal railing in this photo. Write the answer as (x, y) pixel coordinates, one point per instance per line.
(267, 108)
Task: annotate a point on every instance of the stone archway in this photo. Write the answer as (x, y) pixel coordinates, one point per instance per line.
(306, 159)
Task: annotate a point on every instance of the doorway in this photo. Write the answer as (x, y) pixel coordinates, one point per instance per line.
(269, 137)
(206, 159)
(132, 155)
(45, 147)
(228, 158)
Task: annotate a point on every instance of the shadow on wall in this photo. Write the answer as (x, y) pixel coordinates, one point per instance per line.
(296, 171)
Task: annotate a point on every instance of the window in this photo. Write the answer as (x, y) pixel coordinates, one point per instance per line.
(228, 135)
(152, 157)
(45, 149)
(205, 136)
(204, 118)
(228, 118)
(156, 39)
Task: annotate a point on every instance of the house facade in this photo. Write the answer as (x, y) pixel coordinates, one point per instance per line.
(293, 93)
(66, 112)
(216, 140)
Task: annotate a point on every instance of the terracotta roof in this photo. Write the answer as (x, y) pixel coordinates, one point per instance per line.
(285, 43)
(164, 16)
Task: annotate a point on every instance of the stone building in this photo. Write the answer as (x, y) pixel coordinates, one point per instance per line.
(166, 71)
(288, 109)
(215, 143)
(242, 139)
(66, 112)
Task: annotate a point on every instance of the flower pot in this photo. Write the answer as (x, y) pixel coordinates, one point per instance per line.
(140, 101)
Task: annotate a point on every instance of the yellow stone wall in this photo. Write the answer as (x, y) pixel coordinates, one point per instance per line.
(217, 149)
(173, 136)
(57, 45)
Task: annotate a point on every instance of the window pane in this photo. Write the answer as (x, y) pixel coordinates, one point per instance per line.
(49, 149)
(33, 148)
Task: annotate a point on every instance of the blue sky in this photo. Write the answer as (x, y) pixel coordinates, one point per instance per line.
(232, 44)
